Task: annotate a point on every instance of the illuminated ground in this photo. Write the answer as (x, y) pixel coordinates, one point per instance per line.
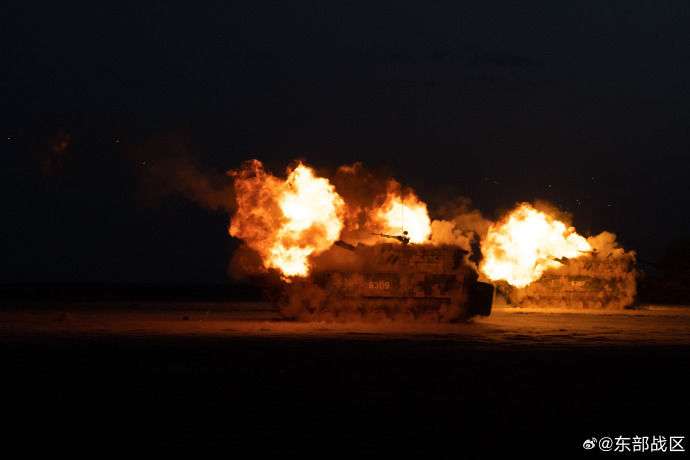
(202, 375)
(505, 327)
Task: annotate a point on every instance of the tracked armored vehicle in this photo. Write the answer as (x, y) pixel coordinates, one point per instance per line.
(593, 281)
(389, 281)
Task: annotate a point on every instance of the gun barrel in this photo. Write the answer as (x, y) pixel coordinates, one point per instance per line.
(344, 245)
(404, 239)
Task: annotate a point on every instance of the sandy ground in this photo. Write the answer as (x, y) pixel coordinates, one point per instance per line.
(506, 326)
(233, 376)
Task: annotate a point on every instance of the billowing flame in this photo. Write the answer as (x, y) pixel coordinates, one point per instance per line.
(286, 221)
(526, 243)
(408, 214)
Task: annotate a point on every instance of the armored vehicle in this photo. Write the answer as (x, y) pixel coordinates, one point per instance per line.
(592, 281)
(390, 280)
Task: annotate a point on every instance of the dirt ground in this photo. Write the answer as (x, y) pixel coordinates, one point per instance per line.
(231, 376)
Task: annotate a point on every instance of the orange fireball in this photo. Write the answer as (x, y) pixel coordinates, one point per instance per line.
(526, 243)
(404, 214)
(286, 221)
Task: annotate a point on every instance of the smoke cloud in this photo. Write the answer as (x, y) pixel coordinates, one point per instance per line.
(603, 278)
(166, 167)
(459, 224)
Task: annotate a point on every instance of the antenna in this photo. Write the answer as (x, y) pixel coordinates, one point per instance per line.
(402, 217)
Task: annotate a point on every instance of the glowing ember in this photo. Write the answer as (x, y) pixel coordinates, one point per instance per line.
(409, 214)
(526, 243)
(288, 221)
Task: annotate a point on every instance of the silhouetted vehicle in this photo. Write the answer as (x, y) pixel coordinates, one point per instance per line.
(390, 280)
(590, 281)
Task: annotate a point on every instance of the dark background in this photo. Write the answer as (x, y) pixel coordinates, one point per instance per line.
(426, 396)
(585, 105)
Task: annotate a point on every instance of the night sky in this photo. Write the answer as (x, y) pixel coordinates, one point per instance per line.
(585, 105)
